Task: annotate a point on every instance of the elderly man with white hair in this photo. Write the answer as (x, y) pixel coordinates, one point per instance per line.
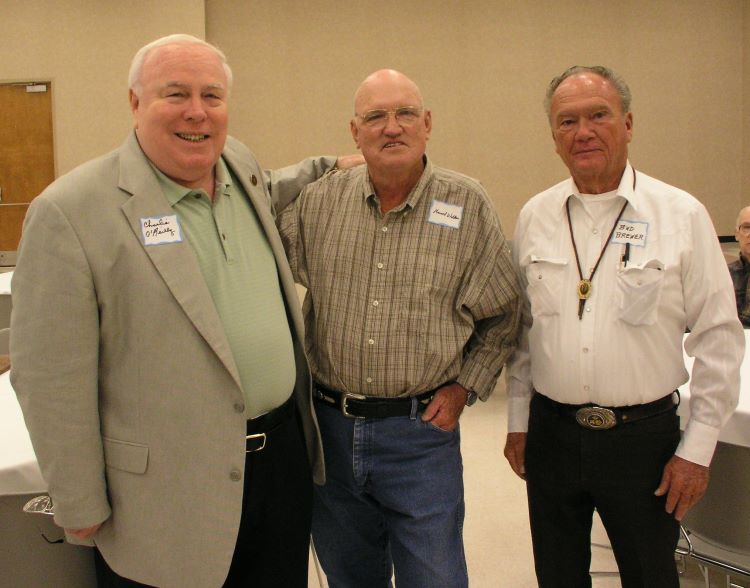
(156, 346)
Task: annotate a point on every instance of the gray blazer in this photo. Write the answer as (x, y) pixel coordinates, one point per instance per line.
(125, 377)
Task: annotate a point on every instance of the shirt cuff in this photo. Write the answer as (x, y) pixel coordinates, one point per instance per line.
(477, 379)
(518, 414)
(698, 443)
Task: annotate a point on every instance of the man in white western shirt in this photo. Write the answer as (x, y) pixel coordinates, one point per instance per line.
(615, 266)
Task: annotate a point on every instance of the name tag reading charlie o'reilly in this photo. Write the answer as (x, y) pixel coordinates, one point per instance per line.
(160, 230)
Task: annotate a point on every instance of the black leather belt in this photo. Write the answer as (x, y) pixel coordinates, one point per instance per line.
(596, 417)
(357, 405)
(260, 427)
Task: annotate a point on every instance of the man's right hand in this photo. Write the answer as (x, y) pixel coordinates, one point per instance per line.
(515, 453)
(83, 533)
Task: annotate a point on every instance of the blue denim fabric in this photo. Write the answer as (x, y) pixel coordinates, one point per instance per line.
(393, 498)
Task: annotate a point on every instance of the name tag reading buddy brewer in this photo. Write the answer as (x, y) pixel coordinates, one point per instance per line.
(633, 232)
(160, 230)
(448, 215)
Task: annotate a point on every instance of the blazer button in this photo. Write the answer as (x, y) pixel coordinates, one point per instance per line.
(239, 407)
(253, 180)
(235, 475)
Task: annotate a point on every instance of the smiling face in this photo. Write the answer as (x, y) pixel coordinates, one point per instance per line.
(396, 147)
(590, 131)
(180, 112)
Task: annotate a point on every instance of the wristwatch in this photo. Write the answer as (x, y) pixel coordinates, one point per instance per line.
(471, 397)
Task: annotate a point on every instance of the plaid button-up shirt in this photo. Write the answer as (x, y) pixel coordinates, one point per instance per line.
(401, 303)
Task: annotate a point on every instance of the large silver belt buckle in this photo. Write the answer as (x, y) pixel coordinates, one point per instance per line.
(596, 417)
(345, 397)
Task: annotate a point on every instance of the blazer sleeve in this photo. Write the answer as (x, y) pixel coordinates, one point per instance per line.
(54, 359)
(285, 184)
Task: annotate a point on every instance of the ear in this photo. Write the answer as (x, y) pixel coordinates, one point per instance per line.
(428, 122)
(629, 125)
(355, 132)
(134, 103)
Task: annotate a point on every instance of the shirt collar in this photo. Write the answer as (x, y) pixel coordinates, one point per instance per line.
(368, 190)
(628, 188)
(176, 192)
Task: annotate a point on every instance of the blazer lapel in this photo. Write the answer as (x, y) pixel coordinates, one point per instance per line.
(175, 262)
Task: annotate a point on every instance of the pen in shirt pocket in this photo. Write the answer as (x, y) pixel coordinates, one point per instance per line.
(625, 256)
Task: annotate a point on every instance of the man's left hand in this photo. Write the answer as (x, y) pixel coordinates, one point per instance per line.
(446, 406)
(348, 161)
(684, 483)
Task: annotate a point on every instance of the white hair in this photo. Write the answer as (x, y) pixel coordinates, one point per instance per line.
(134, 76)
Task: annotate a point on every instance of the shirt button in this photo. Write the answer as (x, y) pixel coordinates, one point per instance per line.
(253, 180)
(235, 475)
(239, 407)
(586, 388)
(369, 380)
(198, 196)
(384, 229)
(595, 231)
(380, 266)
(585, 349)
(223, 236)
(375, 302)
(539, 277)
(588, 309)
(371, 341)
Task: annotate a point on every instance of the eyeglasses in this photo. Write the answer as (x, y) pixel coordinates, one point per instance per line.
(744, 230)
(405, 116)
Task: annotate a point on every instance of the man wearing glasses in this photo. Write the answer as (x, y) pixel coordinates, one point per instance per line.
(740, 269)
(411, 311)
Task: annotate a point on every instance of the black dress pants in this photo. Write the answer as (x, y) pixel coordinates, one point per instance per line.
(570, 471)
(273, 542)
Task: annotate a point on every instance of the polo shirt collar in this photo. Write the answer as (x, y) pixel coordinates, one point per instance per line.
(175, 192)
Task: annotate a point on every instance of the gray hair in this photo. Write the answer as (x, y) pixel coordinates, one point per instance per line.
(622, 88)
(739, 216)
(134, 75)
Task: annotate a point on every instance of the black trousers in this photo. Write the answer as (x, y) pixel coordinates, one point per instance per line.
(273, 542)
(570, 471)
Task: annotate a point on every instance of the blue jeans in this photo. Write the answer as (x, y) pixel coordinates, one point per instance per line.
(393, 498)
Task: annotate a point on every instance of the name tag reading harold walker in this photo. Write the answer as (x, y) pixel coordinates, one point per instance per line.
(160, 230)
(633, 232)
(448, 215)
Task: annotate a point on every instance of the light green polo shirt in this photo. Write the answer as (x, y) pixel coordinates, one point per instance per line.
(240, 270)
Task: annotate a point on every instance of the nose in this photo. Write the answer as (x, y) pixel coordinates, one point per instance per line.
(584, 129)
(195, 110)
(392, 126)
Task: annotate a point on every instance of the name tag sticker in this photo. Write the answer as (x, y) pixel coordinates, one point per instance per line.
(160, 230)
(448, 215)
(633, 232)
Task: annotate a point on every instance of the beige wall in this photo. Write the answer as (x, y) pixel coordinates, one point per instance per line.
(483, 66)
(84, 47)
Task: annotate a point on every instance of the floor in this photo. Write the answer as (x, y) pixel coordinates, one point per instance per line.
(496, 533)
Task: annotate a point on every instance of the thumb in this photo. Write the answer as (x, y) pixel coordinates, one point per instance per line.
(431, 410)
(666, 478)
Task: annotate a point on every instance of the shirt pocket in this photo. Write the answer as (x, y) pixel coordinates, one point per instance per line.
(639, 292)
(545, 279)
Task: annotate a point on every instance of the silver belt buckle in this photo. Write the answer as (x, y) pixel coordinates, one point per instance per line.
(345, 397)
(596, 417)
(256, 436)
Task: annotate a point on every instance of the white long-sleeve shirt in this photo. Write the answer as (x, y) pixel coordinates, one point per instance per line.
(627, 348)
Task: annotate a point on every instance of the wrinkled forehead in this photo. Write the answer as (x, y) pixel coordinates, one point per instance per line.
(585, 87)
(180, 60)
(386, 93)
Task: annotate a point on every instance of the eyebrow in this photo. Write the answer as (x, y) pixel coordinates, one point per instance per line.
(176, 84)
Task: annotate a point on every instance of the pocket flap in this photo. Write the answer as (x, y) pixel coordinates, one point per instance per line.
(126, 456)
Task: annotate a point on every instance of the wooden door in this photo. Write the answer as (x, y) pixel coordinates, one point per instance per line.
(26, 155)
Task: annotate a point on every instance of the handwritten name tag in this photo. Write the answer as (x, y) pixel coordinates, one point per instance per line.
(160, 230)
(633, 232)
(448, 215)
